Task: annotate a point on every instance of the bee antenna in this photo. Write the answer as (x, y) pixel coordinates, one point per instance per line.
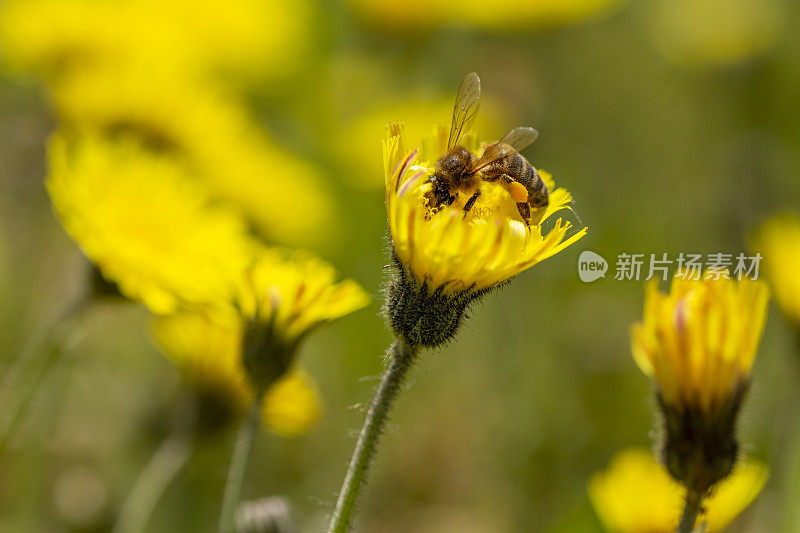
(572, 208)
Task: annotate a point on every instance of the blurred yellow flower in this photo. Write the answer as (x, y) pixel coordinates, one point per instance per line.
(448, 251)
(212, 133)
(715, 32)
(49, 37)
(206, 348)
(245, 346)
(637, 495)
(54, 37)
(144, 222)
(778, 241)
(699, 341)
(296, 291)
(514, 15)
(146, 66)
(255, 38)
(291, 406)
(284, 295)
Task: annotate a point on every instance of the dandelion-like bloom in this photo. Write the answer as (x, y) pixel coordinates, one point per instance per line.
(447, 258)
(206, 349)
(58, 37)
(636, 495)
(229, 37)
(51, 37)
(698, 342)
(145, 223)
(152, 69)
(778, 241)
(278, 299)
(212, 135)
(284, 296)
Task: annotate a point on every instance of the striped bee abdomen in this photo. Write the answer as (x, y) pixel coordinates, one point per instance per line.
(515, 167)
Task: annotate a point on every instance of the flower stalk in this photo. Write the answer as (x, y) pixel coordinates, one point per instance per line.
(691, 511)
(236, 470)
(402, 355)
(166, 462)
(617, 495)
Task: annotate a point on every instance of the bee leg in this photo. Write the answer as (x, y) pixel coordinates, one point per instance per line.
(525, 212)
(430, 198)
(471, 202)
(439, 194)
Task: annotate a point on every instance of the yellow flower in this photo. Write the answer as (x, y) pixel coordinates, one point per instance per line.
(636, 495)
(513, 16)
(51, 36)
(257, 38)
(213, 135)
(778, 241)
(297, 291)
(283, 297)
(715, 32)
(446, 259)
(249, 341)
(291, 405)
(56, 37)
(448, 251)
(206, 349)
(145, 67)
(699, 341)
(145, 223)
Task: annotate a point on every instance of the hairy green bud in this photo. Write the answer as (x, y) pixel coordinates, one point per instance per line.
(423, 316)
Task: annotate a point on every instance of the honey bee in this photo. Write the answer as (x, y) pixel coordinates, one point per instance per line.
(459, 170)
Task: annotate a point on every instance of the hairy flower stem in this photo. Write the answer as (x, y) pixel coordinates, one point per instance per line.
(236, 470)
(166, 462)
(693, 506)
(402, 357)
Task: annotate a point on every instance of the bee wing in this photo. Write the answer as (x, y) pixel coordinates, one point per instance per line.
(518, 139)
(465, 109)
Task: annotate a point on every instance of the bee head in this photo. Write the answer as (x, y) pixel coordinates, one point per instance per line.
(455, 164)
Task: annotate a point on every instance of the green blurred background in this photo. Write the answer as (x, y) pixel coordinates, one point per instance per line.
(667, 147)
